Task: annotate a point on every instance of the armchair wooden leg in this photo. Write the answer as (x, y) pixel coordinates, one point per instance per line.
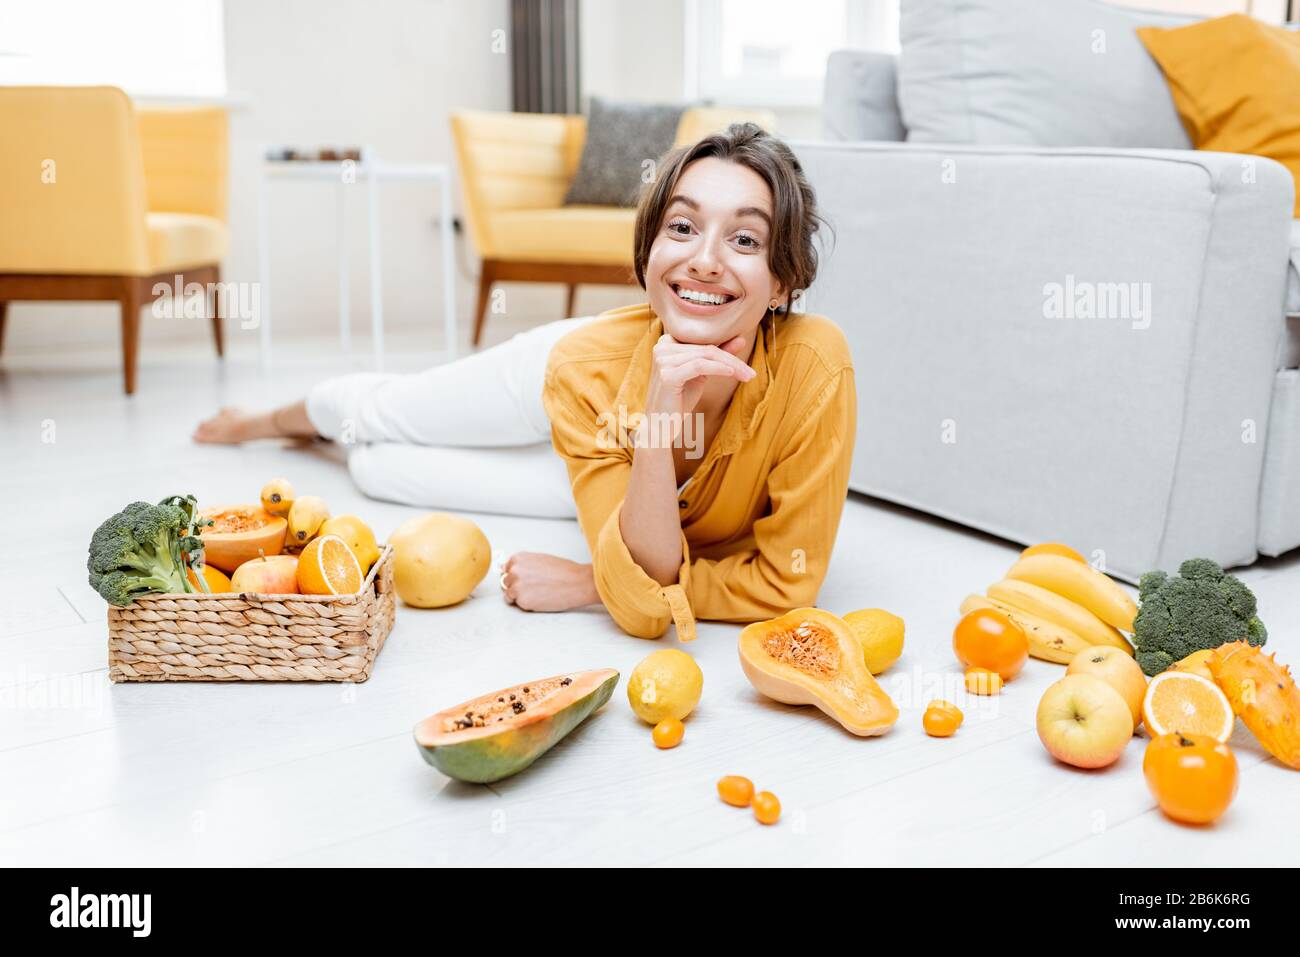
(218, 315)
(131, 301)
(571, 298)
(4, 309)
(487, 276)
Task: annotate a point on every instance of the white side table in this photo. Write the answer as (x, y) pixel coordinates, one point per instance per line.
(370, 170)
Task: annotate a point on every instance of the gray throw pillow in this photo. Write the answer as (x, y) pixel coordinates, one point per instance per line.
(620, 138)
(1033, 73)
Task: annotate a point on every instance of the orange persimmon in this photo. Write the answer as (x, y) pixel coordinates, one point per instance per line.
(1193, 777)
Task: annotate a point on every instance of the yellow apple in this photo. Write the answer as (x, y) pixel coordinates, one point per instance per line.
(272, 575)
(1116, 667)
(1084, 722)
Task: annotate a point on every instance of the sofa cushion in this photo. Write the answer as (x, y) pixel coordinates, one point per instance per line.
(569, 234)
(621, 137)
(860, 100)
(1033, 72)
(182, 240)
(1236, 84)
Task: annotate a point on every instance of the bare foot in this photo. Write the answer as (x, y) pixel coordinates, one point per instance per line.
(231, 426)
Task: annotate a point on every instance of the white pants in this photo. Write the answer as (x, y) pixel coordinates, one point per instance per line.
(471, 435)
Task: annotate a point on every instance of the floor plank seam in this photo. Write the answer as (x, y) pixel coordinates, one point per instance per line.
(75, 609)
(66, 737)
(1088, 837)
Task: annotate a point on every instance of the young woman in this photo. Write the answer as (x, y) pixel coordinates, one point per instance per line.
(703, 438)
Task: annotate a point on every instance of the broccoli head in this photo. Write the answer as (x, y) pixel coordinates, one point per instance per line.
(1201, 607)
(142, 549)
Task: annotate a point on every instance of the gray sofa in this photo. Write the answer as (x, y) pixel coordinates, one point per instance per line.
(1072, 332)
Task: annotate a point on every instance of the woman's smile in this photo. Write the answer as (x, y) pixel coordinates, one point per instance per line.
(702, 299)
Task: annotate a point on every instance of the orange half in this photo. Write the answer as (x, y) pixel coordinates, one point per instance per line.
(1186, 703)
(328, 567)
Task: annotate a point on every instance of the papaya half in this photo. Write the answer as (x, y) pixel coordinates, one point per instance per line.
(496, 735)
(240, 533)
(809, 656)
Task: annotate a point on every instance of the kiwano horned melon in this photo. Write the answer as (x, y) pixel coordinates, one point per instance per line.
(809, 656)
(499, 734)
(1263, 694)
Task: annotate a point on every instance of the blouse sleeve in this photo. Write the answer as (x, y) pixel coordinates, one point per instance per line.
(599, 472)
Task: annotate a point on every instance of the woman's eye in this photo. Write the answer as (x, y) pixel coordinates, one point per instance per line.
(679, 227)
(749, 242)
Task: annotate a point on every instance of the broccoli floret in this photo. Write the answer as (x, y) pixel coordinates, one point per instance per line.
(1200, 607)
(1150, 583)
(139, 550)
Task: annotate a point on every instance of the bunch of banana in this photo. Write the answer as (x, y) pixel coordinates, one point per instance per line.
(306, 514)
(1062, 603)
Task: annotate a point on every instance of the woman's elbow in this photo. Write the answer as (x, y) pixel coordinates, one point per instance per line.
(642, 626)
(799, 592)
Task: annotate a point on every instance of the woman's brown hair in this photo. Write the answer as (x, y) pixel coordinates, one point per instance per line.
(792, 254)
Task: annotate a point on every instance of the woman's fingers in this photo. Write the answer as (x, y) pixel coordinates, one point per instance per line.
(507, 581)
(670, 352)
(681, 372)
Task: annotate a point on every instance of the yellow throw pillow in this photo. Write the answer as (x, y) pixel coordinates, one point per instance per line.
(1236, 85)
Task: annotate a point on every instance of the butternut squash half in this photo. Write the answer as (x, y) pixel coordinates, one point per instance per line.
(809, 656)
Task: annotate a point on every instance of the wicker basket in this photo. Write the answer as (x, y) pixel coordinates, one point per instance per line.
(248, 637)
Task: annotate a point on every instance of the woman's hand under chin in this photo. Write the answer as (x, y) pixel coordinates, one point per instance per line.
(679, 372)
(535, 581)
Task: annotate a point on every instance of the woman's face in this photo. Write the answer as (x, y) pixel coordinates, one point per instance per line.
(707, 275)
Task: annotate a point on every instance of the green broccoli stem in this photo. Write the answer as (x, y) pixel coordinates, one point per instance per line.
(196, 563)
(150, 584)
(193, 558)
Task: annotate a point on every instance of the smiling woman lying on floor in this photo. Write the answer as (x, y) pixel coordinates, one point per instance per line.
(704, 438)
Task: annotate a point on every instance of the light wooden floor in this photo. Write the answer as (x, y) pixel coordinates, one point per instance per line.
(96, 774)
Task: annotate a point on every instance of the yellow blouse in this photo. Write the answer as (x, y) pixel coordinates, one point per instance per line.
(760, 514)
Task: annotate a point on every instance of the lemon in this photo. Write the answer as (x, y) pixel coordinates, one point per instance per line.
(880, 634)
(357, 535)
(666, 684)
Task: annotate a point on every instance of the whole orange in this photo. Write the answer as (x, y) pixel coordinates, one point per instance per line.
(218, 583)
(986, 638)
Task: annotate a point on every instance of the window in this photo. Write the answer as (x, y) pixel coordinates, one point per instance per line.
(154, 48)
(773, 51)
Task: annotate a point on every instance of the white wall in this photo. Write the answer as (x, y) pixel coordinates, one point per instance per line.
(633, 50)
(630, 50)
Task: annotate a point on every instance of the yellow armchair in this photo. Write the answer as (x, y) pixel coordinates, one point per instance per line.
(515, 169)
(102, 201)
